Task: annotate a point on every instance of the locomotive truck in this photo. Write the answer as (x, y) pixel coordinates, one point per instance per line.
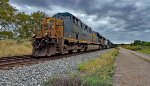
(65, 33)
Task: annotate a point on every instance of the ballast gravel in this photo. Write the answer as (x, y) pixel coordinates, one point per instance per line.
(35, 75)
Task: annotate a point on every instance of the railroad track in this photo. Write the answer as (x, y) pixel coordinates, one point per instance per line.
(7, 63)
(15, 61)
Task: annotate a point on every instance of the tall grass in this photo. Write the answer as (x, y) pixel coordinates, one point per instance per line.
(105, 59)
(97, 72)
(14, 48)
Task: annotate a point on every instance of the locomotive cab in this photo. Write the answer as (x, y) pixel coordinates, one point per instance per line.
(52, 28)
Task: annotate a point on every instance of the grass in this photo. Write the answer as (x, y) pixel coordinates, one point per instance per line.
(105, 59)
(97, 72)
(139, 48)
(14, 48)
(145, 50)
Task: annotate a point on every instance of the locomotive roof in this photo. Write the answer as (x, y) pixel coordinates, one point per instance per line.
(64, 14)
(69, 14)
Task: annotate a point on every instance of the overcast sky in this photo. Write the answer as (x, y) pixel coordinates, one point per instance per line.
(121, 21)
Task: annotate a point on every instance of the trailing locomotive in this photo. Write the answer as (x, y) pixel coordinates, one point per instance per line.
(65, 33)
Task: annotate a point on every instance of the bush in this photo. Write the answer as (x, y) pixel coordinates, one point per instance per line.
(140, 48)
(63, 81)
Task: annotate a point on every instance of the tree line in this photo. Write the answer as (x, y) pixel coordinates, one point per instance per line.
(139, 42)
(18, 25)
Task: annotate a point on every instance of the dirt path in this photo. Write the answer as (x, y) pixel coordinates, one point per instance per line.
(131, 70)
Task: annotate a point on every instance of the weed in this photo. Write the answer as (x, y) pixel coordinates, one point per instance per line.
(63, 81)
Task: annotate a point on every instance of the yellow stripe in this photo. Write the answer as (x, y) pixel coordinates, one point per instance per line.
(80, 41)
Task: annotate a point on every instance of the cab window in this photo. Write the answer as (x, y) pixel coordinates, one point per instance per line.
(51, 21)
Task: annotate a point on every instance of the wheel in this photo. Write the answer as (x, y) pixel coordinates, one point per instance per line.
(85, 49)
(78, 50)
(61, 53)
(69, 51)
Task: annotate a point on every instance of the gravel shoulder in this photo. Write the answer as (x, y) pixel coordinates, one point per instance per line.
(131, 70)
(36, 74)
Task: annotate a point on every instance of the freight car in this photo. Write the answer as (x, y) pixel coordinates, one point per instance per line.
(65, 33)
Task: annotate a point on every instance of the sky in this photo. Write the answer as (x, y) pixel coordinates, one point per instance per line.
(121, 21)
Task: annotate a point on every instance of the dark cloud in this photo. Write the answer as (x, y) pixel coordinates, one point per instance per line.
(119, 20)
(34, 3)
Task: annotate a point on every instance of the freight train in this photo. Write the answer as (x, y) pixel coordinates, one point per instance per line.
(65, 33)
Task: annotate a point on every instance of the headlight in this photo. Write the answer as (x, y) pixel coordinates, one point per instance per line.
(33, 35)
(46, 34)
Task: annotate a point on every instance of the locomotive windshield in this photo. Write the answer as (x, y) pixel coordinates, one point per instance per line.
(64, 17)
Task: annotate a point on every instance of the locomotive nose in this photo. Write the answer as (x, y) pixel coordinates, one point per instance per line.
(49, 38)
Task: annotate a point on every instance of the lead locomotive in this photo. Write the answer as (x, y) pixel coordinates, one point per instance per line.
(65, 33)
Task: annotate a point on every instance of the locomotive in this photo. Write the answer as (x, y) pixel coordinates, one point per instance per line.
(65, 33)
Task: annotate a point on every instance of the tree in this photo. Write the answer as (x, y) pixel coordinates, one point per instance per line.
(18, 23)
(37, 19)
(144, 43)
(137, 42)
(6, 34)
(7, 13)
(26, 23)
(23, 25)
